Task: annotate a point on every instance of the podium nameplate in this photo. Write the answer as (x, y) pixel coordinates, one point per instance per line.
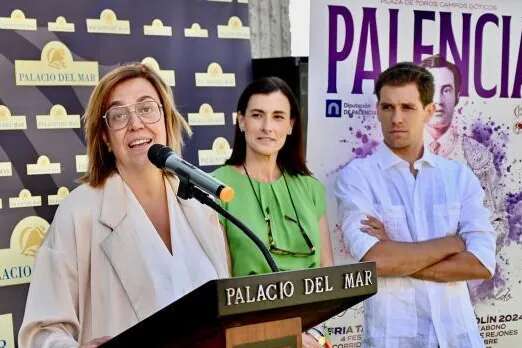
(283, 289)
(206, 316)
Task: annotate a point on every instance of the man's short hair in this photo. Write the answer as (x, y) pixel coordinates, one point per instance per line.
(438, 61)
(404, 73)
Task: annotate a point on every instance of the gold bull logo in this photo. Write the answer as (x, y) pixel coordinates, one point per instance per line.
(56, 58)
(31, 238)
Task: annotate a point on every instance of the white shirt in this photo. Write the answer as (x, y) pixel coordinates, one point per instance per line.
(173, 275)
(445, 198)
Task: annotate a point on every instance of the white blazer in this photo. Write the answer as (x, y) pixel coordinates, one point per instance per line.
(89, 278)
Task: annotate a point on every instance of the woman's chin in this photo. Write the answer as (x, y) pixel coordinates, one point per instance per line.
(266, 151)
(137, 166)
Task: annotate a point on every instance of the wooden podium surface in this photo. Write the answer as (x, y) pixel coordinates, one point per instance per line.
(210, 314)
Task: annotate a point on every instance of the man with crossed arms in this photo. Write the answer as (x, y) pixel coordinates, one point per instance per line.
(421, 218)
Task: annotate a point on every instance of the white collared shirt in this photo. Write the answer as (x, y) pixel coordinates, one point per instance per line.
(443, 199)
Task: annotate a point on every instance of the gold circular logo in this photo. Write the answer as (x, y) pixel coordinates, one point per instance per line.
(214, 69)
(108, 16)
(205, 110)
(29, 234)
(58, 111)
(234, 22)
(17, 14)
(157, 23)
(56, 57)
(4, 112)
(43, 161)
(221, 146)
(151, 63)
(63, 192)
(25, 194)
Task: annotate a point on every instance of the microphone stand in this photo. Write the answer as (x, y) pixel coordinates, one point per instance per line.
(187, 190)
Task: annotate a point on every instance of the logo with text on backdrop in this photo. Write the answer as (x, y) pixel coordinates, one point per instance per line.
(338, 108)
(16, 262)
(6, 331)
(56, 67)
(333, 107)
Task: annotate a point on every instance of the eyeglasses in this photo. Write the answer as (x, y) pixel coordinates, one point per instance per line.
(118, 117)
(279, 251)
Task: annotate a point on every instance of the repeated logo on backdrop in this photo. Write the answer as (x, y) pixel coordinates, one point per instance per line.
(6, 331)
(55, 68)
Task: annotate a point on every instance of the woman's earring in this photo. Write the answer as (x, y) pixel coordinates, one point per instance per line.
(108, 147)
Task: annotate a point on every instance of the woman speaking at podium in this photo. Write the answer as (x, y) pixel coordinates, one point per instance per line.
(121, 246)
(276, 196)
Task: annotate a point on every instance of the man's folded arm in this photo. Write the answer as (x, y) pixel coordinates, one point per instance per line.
(401, 259)
(392, 258)
(457, 267)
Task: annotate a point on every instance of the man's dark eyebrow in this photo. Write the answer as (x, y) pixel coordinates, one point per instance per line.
(446, 85)
(257, 110)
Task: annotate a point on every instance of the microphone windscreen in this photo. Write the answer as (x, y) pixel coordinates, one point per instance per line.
(158, 154)
(226, 194)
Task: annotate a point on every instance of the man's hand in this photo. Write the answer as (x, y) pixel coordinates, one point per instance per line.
(374, 227)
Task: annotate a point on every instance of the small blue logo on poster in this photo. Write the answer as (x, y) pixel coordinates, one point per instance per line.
(333, 108)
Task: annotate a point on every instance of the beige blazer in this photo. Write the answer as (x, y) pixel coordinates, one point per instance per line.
(90, 278)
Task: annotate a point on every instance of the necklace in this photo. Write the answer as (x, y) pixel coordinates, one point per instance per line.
(266, 215)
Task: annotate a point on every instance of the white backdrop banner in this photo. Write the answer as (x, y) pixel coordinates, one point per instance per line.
(351, 42)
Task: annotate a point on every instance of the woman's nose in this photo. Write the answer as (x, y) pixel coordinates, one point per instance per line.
(134, 121)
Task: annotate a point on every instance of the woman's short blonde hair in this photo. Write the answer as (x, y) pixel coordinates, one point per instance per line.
(101, 161)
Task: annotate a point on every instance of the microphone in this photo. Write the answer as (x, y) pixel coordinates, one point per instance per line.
(164, 158)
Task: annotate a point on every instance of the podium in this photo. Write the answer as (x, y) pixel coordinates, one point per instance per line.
(261, 311)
